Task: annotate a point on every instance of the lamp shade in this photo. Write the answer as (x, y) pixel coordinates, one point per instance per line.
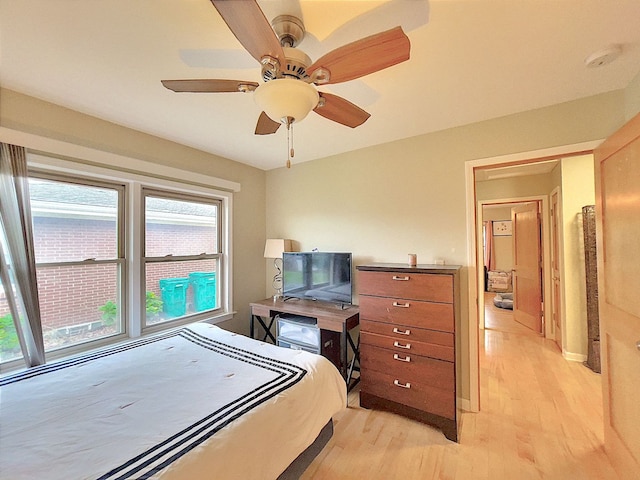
(274, 247)
(286, 97)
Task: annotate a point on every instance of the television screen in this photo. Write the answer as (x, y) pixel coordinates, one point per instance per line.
(322, 276)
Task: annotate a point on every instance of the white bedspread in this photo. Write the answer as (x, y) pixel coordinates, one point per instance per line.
(199, 403)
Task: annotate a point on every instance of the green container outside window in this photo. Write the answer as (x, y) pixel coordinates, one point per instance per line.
(204, 290)
(174, 296)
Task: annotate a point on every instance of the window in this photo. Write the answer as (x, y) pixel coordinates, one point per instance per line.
(121, 254)
(182, 255)
(77, 231)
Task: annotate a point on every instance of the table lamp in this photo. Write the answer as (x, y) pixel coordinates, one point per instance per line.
(274, 248)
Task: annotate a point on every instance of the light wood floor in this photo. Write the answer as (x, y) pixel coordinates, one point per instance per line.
(541, 418)
(501, 319)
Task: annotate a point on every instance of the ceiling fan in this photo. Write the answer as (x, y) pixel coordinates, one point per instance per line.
(288, 93)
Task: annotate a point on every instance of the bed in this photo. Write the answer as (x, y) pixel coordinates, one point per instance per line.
(196, 403)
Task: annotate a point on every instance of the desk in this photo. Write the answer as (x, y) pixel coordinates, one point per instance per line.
(330, 317)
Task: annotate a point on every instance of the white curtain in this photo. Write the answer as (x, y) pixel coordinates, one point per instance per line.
(17, 257)
(489, 248)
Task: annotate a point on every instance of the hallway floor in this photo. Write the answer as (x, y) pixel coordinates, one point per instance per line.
(540, 418)
(500, 318)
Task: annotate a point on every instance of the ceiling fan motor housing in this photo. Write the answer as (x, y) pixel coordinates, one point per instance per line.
(295, 66)
(290, 30)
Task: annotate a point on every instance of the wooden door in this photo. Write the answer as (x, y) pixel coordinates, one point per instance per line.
(556, 298)
(527, 260)
(617, 166)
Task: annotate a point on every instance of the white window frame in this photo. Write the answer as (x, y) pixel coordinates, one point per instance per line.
(119, 260)
(146, 260)
(191, 184)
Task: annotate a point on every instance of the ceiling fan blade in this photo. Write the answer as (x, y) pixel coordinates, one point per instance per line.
(266, 126)
(252, 29)
(209, 85)
(341, 111)
(363, 56)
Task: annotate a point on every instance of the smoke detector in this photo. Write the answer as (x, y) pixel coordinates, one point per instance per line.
(603, 57)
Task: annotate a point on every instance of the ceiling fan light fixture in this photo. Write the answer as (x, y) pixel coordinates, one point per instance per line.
(286, 97)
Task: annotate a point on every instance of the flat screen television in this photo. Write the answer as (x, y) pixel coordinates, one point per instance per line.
(324, 276)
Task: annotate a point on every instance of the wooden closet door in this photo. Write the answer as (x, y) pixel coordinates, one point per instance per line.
(617, 165)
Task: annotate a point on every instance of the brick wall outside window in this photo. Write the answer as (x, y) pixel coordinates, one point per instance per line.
(72, 295)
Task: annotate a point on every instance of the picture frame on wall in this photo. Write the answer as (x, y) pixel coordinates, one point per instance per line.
(502, 228)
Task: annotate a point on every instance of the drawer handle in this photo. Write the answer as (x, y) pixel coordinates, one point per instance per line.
(406, 332)
(403, 279)
(401, 305)
(402, 359)
(403, 385)
(399, 345)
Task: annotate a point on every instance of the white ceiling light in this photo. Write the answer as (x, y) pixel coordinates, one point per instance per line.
(284, 98)
(603, 57)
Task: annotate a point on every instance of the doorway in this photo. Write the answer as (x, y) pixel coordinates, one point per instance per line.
(476, 274)
(510, 247)
(507, 265)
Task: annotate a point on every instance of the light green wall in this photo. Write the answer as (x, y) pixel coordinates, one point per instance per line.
(27, 114)
(409, 196)
(556, 177)
(578, 190)
(632, 98)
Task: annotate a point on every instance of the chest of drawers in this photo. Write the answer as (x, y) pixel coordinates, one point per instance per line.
(408, 319)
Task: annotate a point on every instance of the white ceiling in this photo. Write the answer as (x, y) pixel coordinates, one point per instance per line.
(472, 60)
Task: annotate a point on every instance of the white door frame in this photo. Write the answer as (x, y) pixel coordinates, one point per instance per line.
(472, 260)
(560, 253)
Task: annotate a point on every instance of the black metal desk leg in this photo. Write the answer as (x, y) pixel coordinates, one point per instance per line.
(343, 352)
(267, 329)
(352, 364)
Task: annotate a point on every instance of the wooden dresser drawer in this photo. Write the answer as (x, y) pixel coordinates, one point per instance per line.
(408, 318)
(418, 286)
(411, 393)
(411, 344)
(435, 316)
(413, 368)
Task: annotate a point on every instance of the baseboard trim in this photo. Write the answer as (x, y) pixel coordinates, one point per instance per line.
(574, 357)
(464, 404)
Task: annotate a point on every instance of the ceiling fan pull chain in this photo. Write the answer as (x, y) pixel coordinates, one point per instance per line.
(290, 152)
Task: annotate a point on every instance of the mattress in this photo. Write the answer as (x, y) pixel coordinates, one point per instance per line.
(198, 402)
